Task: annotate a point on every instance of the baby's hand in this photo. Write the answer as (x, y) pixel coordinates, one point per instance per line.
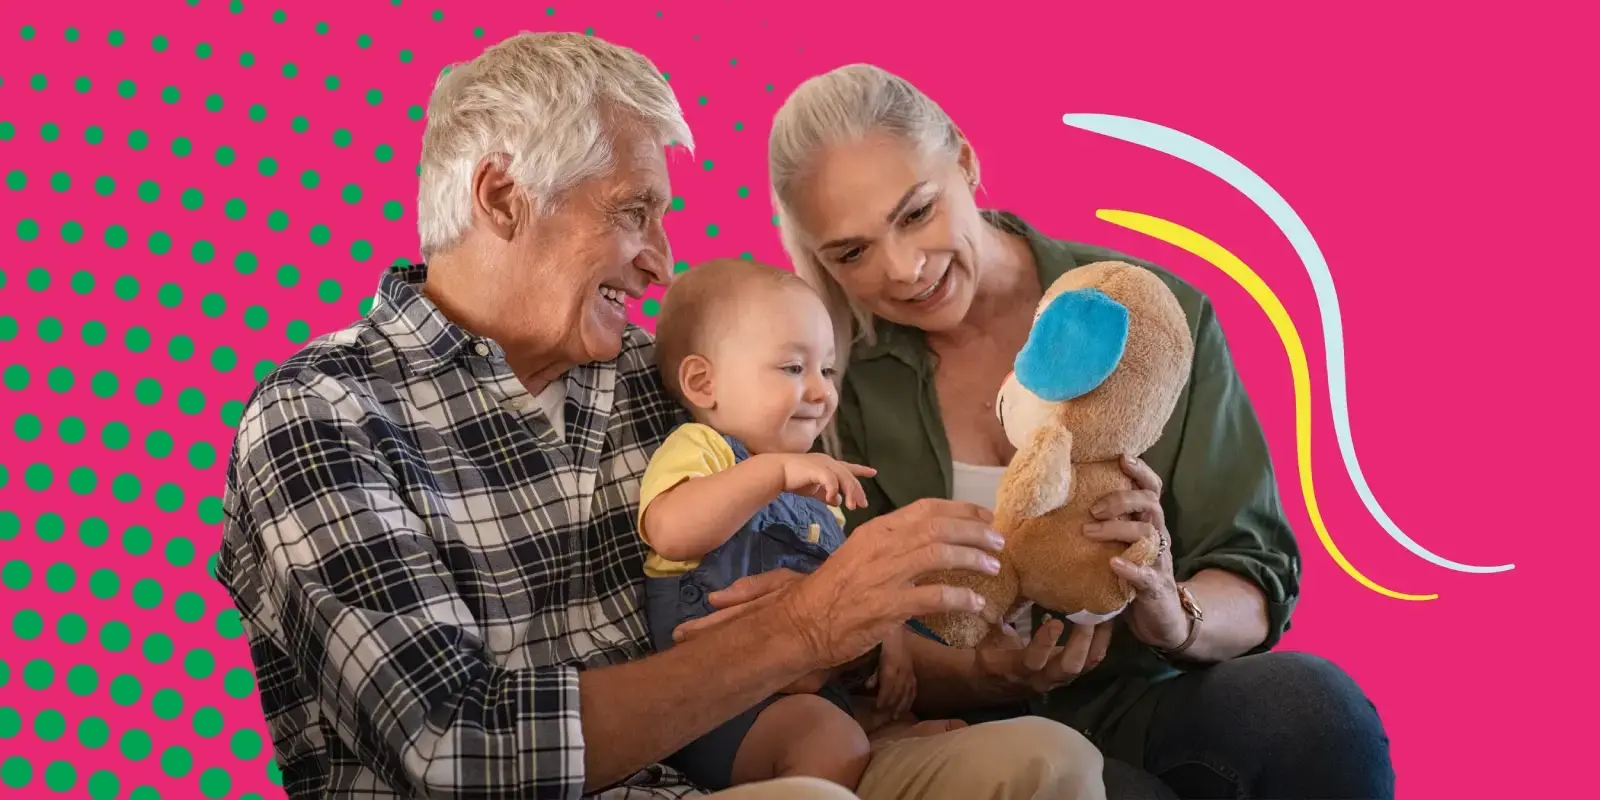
(895, 680)
(832, 481)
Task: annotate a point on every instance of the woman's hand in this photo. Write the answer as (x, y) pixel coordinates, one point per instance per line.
(1021, 670)
(1156, 616)
(896, 680)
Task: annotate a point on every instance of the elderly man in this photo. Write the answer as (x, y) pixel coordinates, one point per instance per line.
(431, 514)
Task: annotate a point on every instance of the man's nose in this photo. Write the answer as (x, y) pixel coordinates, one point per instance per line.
(656, 257)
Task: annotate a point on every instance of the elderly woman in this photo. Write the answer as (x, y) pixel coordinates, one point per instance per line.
(874, 189)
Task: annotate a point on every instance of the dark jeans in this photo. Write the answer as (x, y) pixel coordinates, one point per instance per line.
(1275, 725)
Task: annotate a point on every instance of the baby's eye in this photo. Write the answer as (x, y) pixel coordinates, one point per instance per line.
(793, 369)
(829, 372)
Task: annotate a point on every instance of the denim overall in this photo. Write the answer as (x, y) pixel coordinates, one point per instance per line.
(791, 532)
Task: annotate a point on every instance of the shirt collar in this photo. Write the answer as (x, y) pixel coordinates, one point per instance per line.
(1051, 258)
(423, 339)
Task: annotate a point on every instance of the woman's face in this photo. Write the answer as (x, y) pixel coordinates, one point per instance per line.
(896, 229)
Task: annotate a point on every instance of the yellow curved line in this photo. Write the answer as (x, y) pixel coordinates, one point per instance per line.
(1219, 257)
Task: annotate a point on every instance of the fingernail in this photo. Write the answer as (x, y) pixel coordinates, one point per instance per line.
(991, 565)
(1098, 509)
(1093, 527)
(997, 540)
(1117, 561)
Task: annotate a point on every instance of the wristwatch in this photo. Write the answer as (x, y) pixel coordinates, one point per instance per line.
(1191, 608)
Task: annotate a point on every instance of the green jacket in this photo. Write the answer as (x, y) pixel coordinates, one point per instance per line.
(1220, 497)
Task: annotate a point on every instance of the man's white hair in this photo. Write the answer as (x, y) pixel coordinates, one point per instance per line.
(539, 101)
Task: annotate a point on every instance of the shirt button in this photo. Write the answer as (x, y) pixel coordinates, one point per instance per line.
(481, 349)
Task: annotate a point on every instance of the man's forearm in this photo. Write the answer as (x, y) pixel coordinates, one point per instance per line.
(1235, 616)
(638, 713)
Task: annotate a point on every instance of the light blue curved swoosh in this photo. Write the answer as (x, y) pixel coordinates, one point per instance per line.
(1189, 149)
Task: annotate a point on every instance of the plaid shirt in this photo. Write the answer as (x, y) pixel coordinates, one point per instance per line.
(423, 567)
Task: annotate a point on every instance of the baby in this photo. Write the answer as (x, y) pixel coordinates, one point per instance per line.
(749, 350)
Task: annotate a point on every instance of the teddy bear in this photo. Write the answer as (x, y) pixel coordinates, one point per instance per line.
(1106, 359)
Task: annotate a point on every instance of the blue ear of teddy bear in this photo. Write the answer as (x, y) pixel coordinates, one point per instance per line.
(1074, 345)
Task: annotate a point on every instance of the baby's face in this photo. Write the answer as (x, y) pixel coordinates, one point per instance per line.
(773, 373)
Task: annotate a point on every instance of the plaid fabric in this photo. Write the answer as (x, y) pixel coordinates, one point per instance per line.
(424, 568)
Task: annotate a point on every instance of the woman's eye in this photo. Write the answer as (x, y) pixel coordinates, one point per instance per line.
(918, 214)
(850, 256)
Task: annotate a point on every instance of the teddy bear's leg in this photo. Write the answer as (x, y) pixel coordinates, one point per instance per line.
(967, 630)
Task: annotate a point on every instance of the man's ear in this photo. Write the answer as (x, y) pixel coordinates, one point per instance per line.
(694, 379)
(496, 203)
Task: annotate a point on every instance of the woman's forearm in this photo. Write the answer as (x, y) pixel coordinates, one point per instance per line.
(1235, 616)
(949, 680)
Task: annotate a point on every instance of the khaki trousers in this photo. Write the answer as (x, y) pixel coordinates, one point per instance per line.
(1029, 758)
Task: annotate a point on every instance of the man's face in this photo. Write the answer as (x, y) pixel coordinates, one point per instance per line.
(566, 275)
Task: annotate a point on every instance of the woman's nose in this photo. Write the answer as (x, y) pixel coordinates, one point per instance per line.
(906, 265)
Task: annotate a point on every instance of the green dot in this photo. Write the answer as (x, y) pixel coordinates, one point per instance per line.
(147, 593)
(232, 412)
(16, 575)
(147, 391)
(405, 56)
(116, 237)
(234, 208)
(103, 583)
(329, 291)
(712, 229)
(16, 180)
(383, 153)
(27, 427)
(166, 704)
(414, 113)
(49, 329)
(170, 95)
(190, 607)
(134, 744)
(257, 112)
(320, 234)
(61, 181)
(49, 527)
(60, 379)
(136, 541)
(246, 744)
(27, 624)
(363, 41)
(125, 690)
(331, 83)
(215, 783)
(290, 70)
(9, 525)
(16, 772)
(224, 156)
(159, 44)
(148, 191)
(114, 636)
(213, 103)
(202, 456)
(28, 32)
(125, 488)
(137, 139)
(94, 134)
(104, 185)
(192, 199)
(341, 138)
(202, 252)
(137, 339)
(10, 720)
(374, 97)
(60, 577)
(8, 328)
(207, 722)
(114, 435)
(245, 262)
(103, 785)
(202, 51)
(267, 166)
(169, 497)
(93, 732)
(7, 131)
(39, 82)
(351, 193)
(238, 683)
(277, 220)
(157, 648)
(299, 124)
(82, 481)
(393, 210)
(49, 725)
(93, 532)
(49, 131)
(71, 232)
(16, 377)
(176, 761)
(310, 179)
(224, 359)
(288, 276)
(27, 230)
(262, 369)
(82, 680)
(180, 348)
(247, 59)
(38, 675)
(71, 628)
(438, 15)
(158, 444)
(209, 509)
(651, 307)
(255, 317)
(38, 477)
(199, 664)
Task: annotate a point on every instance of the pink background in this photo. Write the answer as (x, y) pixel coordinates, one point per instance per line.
(1441, 158)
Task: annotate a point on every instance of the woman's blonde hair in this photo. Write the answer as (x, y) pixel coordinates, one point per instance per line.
(845, 105)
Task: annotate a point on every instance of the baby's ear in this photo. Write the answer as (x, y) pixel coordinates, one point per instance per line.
(1076, 344)
(694, 378)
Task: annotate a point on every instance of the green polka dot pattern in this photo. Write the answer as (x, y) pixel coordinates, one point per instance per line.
(193, 191)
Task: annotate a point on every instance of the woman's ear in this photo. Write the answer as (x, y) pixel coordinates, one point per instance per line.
(694, 378)
(495, 199)
(968, 159)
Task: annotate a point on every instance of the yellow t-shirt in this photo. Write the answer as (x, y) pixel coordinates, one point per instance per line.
(692, 451)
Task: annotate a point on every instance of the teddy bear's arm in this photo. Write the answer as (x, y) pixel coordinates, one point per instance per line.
(1039, 479)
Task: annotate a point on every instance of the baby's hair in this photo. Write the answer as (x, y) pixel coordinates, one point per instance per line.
(700, 304)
